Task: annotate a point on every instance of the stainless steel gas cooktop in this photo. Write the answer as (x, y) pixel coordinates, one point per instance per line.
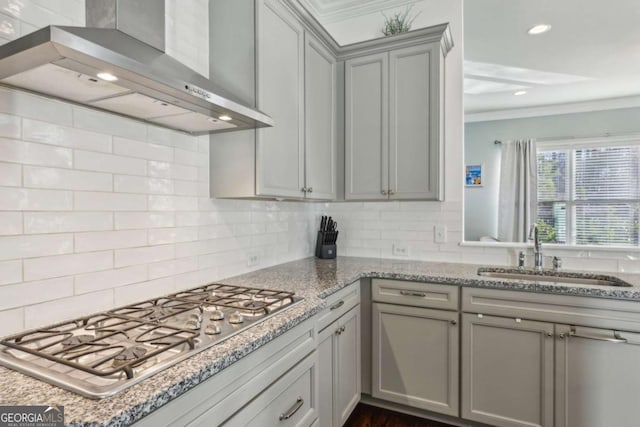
(100, 355)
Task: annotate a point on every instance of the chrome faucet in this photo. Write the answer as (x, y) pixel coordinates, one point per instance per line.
(537, 247)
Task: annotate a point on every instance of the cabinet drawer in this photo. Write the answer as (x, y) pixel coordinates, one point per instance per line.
(290, 401)
(429, 295)
(338, 304)
(573, 310)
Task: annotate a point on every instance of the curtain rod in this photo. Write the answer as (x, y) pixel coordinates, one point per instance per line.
(561, 138)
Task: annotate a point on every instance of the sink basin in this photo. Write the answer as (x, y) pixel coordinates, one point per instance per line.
(553, 277)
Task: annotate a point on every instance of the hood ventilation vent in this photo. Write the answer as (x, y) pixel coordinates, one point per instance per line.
(121, 68)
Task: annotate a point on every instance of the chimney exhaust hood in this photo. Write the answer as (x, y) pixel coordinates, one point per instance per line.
(118, 69)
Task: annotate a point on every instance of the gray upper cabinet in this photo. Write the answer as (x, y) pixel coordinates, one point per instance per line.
(285, 71)
(394, 119)
(280, 76)
(320, 121)
(366, 127)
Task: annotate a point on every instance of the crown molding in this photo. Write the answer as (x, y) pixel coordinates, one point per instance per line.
(553, 110)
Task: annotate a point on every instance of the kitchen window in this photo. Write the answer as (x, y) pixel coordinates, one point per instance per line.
(589, 192)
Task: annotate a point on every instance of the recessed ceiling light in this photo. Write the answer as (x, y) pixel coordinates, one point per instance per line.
(225, 117)
(520, 93)
(107, 76)
(539, 29)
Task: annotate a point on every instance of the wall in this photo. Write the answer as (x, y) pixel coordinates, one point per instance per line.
(98, 211)
(481, 210)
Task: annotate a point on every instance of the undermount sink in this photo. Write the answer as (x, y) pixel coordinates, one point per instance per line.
(553, 277)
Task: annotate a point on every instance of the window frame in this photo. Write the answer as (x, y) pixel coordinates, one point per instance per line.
(570, 145)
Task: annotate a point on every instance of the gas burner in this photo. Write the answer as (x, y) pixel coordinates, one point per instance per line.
(217, 314)
(213, 329)
(102, 354)
(236, 318)
(75, 340)
(254, 305)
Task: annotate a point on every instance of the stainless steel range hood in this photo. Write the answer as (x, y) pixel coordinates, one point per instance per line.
(108, 69)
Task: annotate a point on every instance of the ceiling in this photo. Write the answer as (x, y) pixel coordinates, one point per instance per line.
(591, 53)
(331, 11)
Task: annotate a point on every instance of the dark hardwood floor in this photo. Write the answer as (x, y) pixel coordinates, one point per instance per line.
(370, 416)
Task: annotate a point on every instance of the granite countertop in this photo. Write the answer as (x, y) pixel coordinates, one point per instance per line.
(310, 278)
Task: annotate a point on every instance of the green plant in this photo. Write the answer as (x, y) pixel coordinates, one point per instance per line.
(399, 22)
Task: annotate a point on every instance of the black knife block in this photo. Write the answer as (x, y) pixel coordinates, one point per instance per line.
(325, 251)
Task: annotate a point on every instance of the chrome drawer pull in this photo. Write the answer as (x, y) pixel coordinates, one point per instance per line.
(616, 337)
(291, 412)
(336, 306)
(413, 294)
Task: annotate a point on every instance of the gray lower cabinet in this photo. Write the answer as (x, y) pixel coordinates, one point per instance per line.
(597, 377)
(415, 357)
(507, 371)
(339, 369)
(393, 124)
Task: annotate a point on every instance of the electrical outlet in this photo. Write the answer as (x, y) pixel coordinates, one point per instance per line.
(440, 233)
(400, 249)
(253, 260)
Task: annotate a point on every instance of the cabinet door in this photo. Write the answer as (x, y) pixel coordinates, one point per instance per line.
(507, 371)
(597, 377)
(366, 127)
(280, 90)
(327, 340)
(413, 147)
(347, 366)
(415, 357)
(320, 123)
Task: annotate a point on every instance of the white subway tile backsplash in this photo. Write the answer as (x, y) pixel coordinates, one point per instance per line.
(143, 150)
(67, 265)
(142, 185)
(103, 240)
(11, 321)
(16, 247)
(173, 203)
(12, 296)
(132, 293)
(10, 174)
(92, 161)
(90, 201)
(129, 220)
(67, 308)
(10, 272)
(10, 223)
(159, 236)
(66, 179)
(172, 267)
(146, 255)
(172, 171)
(63, 222)
(17, 199)
(64, 136)
(10, 126)
(103, 122)
(109, 279)
(28, 153)
(23, 104)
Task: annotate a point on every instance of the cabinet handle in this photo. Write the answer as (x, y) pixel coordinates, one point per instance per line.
(383, 192)
(303, 189)
(561, 336)
(342, 329)
(549, 334)
(391, 192)
(337, 305)
(454, 322)
(291, 412)
(310, 190)
(617, 339)
(413, 294)
(337, 332)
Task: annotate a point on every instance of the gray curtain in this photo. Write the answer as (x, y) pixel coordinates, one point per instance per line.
(518, 205)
